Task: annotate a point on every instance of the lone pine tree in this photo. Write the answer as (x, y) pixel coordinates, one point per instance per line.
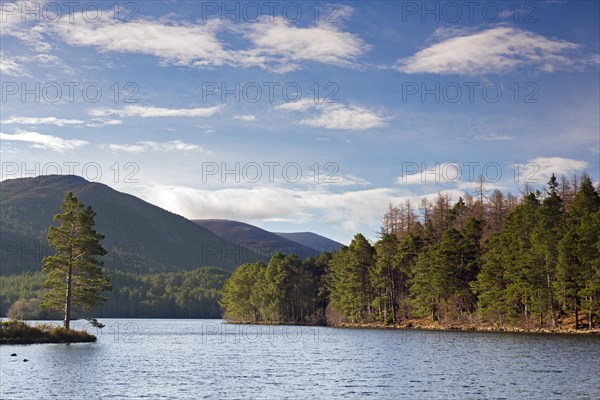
(75, 277)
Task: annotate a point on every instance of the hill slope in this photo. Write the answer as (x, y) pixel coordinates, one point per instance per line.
(140, 237)
(258, 240)
(312, 240)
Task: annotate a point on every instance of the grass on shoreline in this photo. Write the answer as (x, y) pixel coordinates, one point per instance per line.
(18, 332)
(427, 324)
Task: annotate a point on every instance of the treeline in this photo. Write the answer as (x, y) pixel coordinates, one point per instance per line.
(532, 261)
(181, 294)
(285, 290)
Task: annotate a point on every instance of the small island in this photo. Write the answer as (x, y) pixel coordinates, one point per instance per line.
(19, 332)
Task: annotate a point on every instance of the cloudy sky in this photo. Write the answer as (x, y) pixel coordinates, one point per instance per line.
(300, 116)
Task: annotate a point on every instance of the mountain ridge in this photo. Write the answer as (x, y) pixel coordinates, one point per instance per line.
(259, 240)
(140, 237)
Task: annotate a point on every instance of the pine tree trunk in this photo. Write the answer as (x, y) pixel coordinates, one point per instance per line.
(67, 320)
(551, 300)
(576, 315)
(591, 306)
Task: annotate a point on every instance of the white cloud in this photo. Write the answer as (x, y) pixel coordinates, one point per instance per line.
(10, 66)
(300, 105)
(42, 121)
(183, 44)
(24, 27)
(494, 50)
(446, 172)
(348, 209)
(245, 117)
(99, 122)
(145, 146)
(492, 137)
(352, 211)
(271, 43)
(48, 61)
(335, 115)
(42, 141)
(151, 112)
(281, 46)
(540, 169)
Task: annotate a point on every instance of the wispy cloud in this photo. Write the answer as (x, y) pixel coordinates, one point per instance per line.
(540, 169)
(42, 141)
(245, 117)
(492, 137)
(145, 146)
(151, 112)
(100, 122)
(446, 172)
(281, 46)
(335, 115)
(495, 50)
(348, 209)
(14, 23)
(270, 43)
(42, 121)
(10, 66)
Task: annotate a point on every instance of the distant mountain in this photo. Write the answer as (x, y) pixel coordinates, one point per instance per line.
(140, 237)
(312, 240)
(254, 238)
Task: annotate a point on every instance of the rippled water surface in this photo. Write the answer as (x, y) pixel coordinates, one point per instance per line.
(193, 359)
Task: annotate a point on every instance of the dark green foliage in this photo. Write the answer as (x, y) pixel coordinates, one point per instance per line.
(351, 286)
(183, 294)
(287, 290)
(526, 262)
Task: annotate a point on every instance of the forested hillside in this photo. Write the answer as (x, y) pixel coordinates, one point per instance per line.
(532, 261)
(182, 294)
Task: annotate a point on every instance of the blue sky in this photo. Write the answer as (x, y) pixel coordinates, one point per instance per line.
(300, 116)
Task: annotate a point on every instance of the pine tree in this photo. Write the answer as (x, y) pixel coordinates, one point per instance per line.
(243, 295)
(490, 286)
(385, 277)
(579, 253)
(350, 286)
(526, 280)
(75, 277)
(545, 238)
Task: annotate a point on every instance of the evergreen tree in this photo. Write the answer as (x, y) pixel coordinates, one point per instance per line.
(490, 286)
(545, 238)
(75, 277)
(350, 279)
(579, 255)
(385, 278)
(241, 296)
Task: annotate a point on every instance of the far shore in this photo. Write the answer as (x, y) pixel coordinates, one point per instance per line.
(427, 325)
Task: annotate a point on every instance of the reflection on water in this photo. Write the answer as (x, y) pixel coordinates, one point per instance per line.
(164, 359)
